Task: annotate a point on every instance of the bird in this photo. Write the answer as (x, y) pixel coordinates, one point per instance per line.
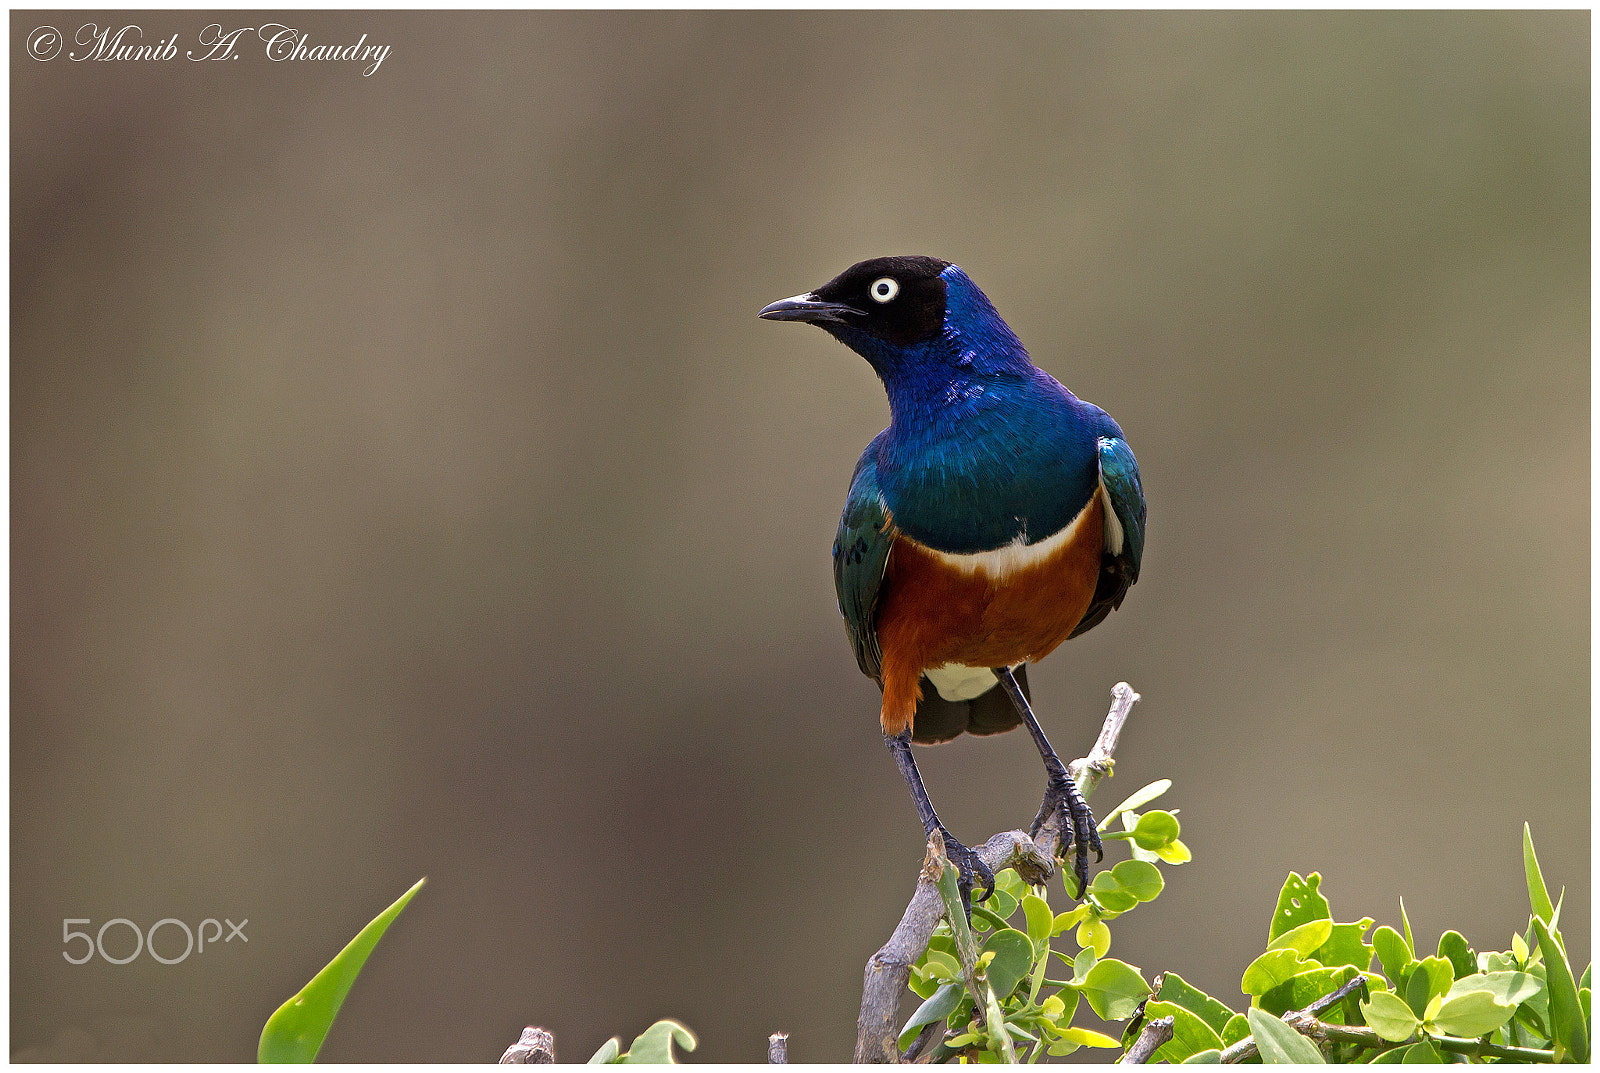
(995, 517)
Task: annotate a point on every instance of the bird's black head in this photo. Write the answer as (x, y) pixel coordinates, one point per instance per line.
(900, 300)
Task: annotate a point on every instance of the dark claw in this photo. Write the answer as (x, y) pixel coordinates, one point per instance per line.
(969, 868)
(1077, 826)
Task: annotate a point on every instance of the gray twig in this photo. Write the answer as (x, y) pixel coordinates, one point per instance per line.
(877, 1029)
(537, 1047)
(1155, 1034)
(778, 1049)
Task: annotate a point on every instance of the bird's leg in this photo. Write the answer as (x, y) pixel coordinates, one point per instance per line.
(968, 864)
(1060, 792)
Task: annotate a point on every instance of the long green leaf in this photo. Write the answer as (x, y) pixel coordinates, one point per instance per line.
(296, 1031)
(1279, 1044)
(1538, 894)
(1566, 1011)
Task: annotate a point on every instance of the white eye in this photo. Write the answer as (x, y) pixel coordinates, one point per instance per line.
(884, 290)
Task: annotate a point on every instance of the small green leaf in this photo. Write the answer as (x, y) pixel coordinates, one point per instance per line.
(296, 1031)
(1422, 1052)
(1013, 958)
(1180, 992)
(1346, 945)
(1083, 963)
(1411, 944)
(1139, 798)
(1393, 953)
(1008, 882)
(608, 1053)
(1114, 989)
(1298, 903)
(1271, 969)
(1389, 1017)
(653, 1046)
(1507, 988)
(1139, 879)
(1454, 949)
(1303, 938)
(1204, 1058)
(1041, 921)
(1303, 988)
(1071, 918)
(1566, 1011)
(1175, 852)
(1094, 935)
(941, 1005)
(1087, 1037)
(1538, 894)
(1279, 1044)
(1155, 829)
(1474, 1013)
(1001, 904)
(941, 965)
(1236, 1029)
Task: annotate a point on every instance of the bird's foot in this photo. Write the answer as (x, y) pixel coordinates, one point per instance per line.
(970, 871)
(1078, 834)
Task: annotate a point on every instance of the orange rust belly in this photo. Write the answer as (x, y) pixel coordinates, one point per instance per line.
(931, 612)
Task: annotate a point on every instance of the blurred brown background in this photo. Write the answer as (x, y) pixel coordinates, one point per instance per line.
(402, 485)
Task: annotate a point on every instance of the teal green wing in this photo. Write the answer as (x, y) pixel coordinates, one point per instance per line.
(1119, 562)
(860, 553)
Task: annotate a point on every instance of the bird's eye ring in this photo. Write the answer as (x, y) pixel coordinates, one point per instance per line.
(884, 290)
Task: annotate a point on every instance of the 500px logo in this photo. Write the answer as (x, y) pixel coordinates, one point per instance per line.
(143, 941)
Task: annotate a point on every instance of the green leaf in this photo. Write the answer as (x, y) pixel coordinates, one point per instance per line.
(1236, 1029)
(1175, 989)
(1430, 978)
(1010, 883)
(1013, 958)
(1346, 945)
(1093, 935)
(296, 1031)
(1155, 829)
(1388, 1016)
(1175, 852)
(1271, 969)
(1139, 879)
(1394, 1056)
(940, 1005)
(1114, 989)
(653, 1046)
(1475, 1013)
(608, 1053)
(1204, 1058)
(1566, 1011)
(1278, 1043)
(1087, 1037)
(1454, 949)
(1298, 903)
(1393, 953)
(1138, 798)
(1109, 894)
(1041, 921)
(1507, 988)
(1190, 1034)
(1303, 938)
(941, 965)
(1422, 1052)
(1083, 963)
(1538, 894)
(1001, 904)
(1071, 918)
(1406, 921)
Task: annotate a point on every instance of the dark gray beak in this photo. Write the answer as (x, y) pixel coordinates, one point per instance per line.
(806, 307)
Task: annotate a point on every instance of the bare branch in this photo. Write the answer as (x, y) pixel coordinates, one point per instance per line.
(537, 1047)
(888, 970)
(1156, 1033)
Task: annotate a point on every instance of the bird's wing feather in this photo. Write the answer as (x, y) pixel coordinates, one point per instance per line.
(860, 553)
(1119, 565)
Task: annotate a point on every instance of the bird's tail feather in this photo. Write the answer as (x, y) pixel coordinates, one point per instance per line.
(939, 720)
